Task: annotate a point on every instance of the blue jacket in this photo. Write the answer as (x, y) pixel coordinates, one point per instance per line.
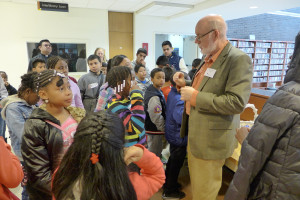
(175, 108)
(174, 60)
(15, 112)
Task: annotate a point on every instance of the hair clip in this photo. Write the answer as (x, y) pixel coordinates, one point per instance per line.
(94, 158)
(60, 74)
(105, 85)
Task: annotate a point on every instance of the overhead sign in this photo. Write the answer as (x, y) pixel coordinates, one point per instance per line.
(50, 6)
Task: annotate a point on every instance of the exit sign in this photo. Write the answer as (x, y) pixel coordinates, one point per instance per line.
(50, 6)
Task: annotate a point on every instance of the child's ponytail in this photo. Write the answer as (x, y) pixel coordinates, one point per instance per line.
(96, 161)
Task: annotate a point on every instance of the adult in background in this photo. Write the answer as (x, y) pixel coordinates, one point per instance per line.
(46, 48)
(81, 64)
(216, 96)
(175, 60)
(101, 53)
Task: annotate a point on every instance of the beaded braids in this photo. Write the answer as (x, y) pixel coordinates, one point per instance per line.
(45, 77)
(96, 161)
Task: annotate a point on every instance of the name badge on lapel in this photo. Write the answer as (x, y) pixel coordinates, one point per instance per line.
(210, 72)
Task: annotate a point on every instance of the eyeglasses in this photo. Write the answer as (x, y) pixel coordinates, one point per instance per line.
(198, 37)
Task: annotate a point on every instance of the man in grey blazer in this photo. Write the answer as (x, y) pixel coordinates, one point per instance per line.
(214, 99)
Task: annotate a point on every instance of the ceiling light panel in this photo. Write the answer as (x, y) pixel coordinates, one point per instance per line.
(158, 10)
(192, 2)
(99, 4)
(141, 4)
(122, 5)
(25, 1)
(75, 3)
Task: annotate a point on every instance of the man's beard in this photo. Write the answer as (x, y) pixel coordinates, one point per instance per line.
(211, 48)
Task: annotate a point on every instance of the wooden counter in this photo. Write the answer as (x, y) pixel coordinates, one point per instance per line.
(258, 97)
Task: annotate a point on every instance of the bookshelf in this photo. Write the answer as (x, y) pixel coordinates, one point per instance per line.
(270, 59)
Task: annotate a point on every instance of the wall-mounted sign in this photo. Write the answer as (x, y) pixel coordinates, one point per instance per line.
(145, 46)
(50, 6)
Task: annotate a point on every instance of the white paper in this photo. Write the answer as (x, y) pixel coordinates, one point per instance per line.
(93, 85)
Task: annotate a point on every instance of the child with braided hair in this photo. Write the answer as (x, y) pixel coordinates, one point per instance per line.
(59, 64)
(95, 165)
(48, 132)
(123, 97)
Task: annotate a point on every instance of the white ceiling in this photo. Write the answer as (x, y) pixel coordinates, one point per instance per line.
(229, 9)
(233, 9)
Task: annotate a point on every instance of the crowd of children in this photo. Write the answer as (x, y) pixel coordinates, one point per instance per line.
(103, 136)
(100, 138)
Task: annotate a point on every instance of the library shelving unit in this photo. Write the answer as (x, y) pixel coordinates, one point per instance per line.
(270, 59)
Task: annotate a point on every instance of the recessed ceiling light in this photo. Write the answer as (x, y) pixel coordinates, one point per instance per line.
(158, 8)
(253, 7)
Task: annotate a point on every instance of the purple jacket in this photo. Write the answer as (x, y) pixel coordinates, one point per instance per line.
(76, 101)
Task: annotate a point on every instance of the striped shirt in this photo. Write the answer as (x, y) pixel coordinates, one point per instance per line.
(132, 113)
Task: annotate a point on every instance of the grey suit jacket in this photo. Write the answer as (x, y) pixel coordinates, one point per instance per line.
(212, 123)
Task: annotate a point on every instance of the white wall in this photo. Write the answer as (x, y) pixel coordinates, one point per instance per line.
(21, 23)
(145, 28)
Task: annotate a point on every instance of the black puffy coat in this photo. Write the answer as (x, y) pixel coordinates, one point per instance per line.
(42, 150)
(269, 165)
